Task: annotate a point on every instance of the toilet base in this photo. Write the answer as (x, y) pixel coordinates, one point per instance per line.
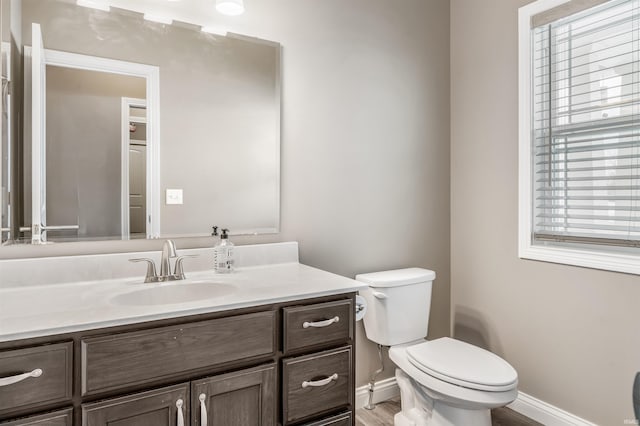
(447, 415)
(418, 409)
(401, 419)
(443, 415)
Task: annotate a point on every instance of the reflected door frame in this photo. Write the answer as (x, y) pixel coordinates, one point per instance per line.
(151, 74)
(126, 119)
(6, 226)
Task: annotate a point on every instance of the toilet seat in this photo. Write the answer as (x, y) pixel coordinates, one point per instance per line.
(462, 364)
(455, 395)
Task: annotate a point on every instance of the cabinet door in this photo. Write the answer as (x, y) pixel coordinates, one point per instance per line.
(241, 398)
(161, 407)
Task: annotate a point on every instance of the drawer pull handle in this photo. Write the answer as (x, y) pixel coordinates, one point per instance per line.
(203, 410)
(322, 382)
(5, 381)
(324, 323)
(179, 404)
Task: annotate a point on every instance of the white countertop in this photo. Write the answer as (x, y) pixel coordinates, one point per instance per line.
(42, 310)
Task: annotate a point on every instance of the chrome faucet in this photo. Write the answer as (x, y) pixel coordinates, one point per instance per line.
(168, 253)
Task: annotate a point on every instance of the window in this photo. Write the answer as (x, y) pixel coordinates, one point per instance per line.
(580, 133)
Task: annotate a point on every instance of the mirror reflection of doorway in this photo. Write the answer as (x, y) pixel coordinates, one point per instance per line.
(83, 151)
(78, 167)
(137, 170)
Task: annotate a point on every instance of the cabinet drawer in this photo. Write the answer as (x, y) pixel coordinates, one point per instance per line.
(111, 362)
(343, 419)
(52, 386)
(319, 324)
(317, 383)
(56, 418)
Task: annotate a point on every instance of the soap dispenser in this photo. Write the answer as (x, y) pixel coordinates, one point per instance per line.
(223, 254)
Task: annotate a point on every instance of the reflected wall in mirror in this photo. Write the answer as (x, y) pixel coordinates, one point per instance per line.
(113, 139)
(87, 181)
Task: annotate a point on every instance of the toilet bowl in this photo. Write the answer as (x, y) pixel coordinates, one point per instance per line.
(443, 382)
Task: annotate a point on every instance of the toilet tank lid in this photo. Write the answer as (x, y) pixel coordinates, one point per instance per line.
(397, 277)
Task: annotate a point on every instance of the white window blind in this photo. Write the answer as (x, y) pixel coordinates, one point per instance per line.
(586, 127)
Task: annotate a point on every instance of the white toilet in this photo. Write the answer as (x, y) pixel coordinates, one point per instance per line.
(443, 381)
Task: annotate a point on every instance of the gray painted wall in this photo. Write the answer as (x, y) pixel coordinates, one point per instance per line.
(365, 145)
(84, 149)
(572, 333)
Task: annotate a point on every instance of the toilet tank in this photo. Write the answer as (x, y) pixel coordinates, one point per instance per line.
(399, 303)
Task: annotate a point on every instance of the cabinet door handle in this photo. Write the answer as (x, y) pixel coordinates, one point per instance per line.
(322, 382)
(203, 409)
(179, 404)
(324, 323)
(6, 381)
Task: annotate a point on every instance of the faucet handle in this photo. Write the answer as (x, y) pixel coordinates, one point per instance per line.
(151, 276)
(178, 271)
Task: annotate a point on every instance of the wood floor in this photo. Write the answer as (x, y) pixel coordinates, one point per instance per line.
(383, 414)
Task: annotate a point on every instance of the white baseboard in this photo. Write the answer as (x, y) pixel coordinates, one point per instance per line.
(384, 390)
(545, 413)
(526, 405)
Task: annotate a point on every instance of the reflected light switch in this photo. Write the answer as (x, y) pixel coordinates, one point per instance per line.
(174, 196)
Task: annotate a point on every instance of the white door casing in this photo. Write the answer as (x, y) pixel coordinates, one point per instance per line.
(38, 138)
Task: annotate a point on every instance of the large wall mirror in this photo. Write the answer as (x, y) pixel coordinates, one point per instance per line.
(118, 127)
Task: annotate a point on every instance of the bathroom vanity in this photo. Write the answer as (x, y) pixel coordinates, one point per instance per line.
(278, 350)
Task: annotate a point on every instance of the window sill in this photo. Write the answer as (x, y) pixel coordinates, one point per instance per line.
(607, 261)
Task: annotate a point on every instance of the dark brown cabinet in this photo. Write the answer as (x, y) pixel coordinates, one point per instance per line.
(316, 384)
(244, 398)
(286, 364)
(125, 359)
(318, 325)
(240, 398)
(35, 376)
(160, 407)
(57, 418)
(344, 419)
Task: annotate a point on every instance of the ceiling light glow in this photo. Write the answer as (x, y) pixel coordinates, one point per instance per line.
(230, 7)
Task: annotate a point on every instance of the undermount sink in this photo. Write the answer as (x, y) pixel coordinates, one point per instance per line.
(172, 293)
